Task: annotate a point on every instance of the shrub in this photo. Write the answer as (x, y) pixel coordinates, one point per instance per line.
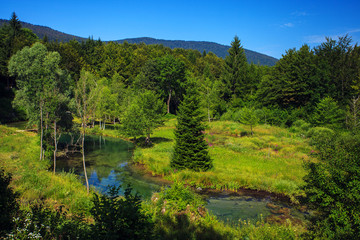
(180, 196)
(120, 217)
(247, 116)
(227, 116)
(320, 135)
(332, 189)
(41, 222)
(300, 126)
(328, 114)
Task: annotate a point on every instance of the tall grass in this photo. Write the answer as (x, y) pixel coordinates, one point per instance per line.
(31, 178)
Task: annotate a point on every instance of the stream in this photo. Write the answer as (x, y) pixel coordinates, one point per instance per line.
(107, 164)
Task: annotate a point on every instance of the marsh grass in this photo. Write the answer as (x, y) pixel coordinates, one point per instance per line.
(179, 213)
(31, 178)
(271, 160)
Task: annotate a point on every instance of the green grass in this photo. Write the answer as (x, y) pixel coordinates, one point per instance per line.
(271, 160)
(19, 155)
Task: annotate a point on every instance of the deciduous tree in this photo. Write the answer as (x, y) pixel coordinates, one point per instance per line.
(84, 97)
(37, 73)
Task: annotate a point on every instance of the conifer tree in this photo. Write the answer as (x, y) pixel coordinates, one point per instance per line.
(191, 150)
(235, 75)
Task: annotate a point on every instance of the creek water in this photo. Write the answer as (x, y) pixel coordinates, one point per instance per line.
(107, 164)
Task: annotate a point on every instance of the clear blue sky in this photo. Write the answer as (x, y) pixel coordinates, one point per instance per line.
(269, 27)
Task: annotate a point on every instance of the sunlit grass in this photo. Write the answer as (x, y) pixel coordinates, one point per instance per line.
(19, 155)
(271, 160)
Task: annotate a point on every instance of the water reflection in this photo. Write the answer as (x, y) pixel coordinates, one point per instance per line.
(235, 208)
(107, 165)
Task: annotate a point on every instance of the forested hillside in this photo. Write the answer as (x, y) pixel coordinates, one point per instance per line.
(217, 49)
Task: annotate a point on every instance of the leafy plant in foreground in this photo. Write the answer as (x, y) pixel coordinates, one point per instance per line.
(332, 189)
(120, 217)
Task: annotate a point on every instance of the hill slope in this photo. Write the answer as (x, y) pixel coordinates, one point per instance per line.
(52, 34)
(218, 49)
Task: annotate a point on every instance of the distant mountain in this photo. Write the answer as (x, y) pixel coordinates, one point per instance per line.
(52, 34)
(218, 49)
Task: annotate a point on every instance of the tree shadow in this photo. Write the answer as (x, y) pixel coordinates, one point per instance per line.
(181, 227)
(141, 142)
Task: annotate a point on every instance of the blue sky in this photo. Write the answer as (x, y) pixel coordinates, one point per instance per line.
(269, 27)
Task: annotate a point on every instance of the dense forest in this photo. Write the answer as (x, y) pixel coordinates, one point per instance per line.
(315, 91)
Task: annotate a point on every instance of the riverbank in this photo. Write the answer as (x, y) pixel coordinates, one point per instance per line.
(31, 179)
(271, 160)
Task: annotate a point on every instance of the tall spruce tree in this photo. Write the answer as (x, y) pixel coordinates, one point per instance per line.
(235, 76)
(191, 150)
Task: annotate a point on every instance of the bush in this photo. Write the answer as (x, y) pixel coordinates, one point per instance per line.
(320, 135)
(328, 114)
(41, 222)
(120, 217)
(227, 116)
(301, 127)
(179, 197)
(332, 189)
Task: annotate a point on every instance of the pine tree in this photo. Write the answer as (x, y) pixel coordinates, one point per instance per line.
(235, 76)
(328, 114)
(191, 150)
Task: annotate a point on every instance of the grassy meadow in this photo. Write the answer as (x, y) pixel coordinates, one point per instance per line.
(270, 160)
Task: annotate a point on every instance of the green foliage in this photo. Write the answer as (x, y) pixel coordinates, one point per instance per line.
(301, 127)
(120, 217)
(337, 60)
(320, 135)
(291, 84)
(41, 222)
(332, 189)
(144, 113)
(170, 78)
(210, 90)
(353, 114)
(247, 116)
(328, 114)
(35, 70)
(180, 197)
(191, 150)
(235, 77)
(227, 116)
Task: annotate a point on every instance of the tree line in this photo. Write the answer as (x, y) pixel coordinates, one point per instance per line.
(291, 89)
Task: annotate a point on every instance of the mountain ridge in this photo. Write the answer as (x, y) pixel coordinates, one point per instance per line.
(218, 49)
